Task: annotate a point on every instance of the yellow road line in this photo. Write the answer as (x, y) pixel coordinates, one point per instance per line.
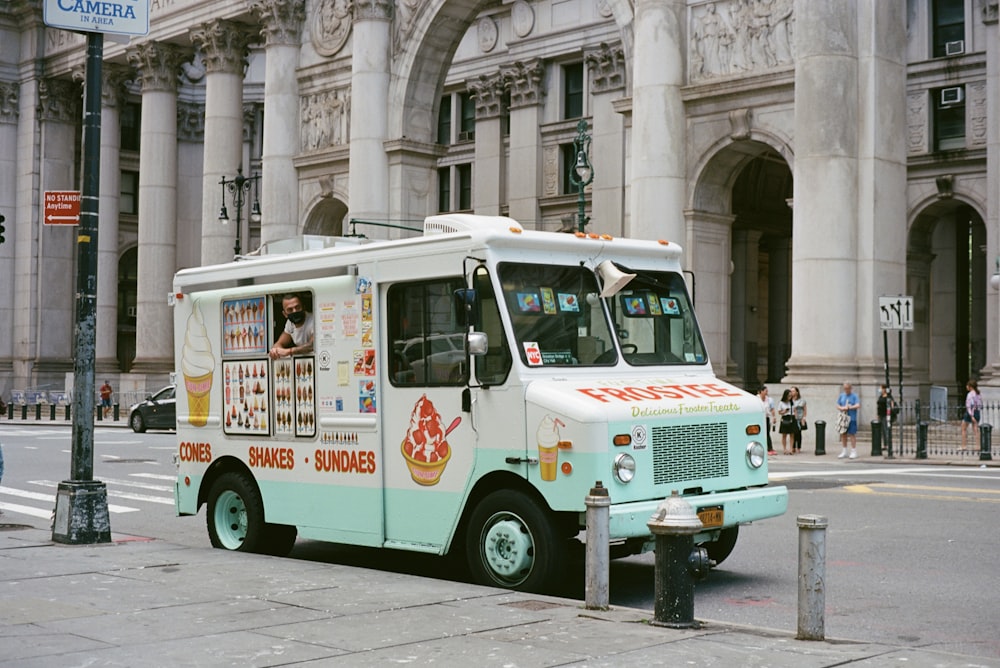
(869, 489)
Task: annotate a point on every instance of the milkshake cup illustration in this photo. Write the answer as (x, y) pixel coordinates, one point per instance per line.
(548, 446)
(197, 365)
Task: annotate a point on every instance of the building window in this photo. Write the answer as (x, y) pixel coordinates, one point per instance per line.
(467, 122)
(428, 341)
(573, 90)
(949, 118)
(128, 201)
(464, 178)
(444, 121)
(444, 189)
(505, 113)
(948, 22)
(567, 158)
(130, 117)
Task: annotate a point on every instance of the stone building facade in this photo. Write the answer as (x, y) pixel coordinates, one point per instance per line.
(809, 156)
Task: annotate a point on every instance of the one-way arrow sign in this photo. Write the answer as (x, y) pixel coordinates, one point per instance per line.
(896, 312)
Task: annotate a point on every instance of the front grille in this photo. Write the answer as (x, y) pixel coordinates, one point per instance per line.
(689, 452)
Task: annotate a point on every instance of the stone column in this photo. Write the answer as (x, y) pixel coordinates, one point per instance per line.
(282, 23)
(9, 101)
(370, 66)
(825, 302)
(526, 96)
(112, 96)
(708, 247)
(223, 46)
(157, 65)
(658, 122)
(489, 170)
(54, 303)
(606, 67)
(882, 140)
(991, 21)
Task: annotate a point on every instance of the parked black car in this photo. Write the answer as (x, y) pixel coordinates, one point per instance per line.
(158, 411)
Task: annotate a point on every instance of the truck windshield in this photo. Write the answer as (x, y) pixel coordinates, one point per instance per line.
(655, 322)
(557, 316)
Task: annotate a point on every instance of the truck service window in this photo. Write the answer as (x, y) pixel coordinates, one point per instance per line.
(428, 341)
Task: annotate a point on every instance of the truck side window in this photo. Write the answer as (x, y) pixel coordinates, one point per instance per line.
(494, 366)
(428, 341)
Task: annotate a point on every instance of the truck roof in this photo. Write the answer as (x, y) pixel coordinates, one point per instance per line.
(329, 256)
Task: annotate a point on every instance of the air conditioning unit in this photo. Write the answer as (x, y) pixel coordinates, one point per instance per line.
(951, 96)
(467, 135)
(956, 48)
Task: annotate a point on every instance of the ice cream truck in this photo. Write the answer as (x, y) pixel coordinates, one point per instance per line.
(463, 391)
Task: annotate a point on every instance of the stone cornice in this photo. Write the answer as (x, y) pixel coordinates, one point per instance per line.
(158, 65)
(223, 45)
(59, 100)
(9, 95)
(281, 20)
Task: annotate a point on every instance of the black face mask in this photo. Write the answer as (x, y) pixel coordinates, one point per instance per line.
(297, 318)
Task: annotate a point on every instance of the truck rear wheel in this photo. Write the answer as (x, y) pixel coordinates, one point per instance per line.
(722, 547)
(236, 514)
(511, 542)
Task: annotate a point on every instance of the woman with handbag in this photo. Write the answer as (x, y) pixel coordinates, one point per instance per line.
(799, 411)
(788, 426)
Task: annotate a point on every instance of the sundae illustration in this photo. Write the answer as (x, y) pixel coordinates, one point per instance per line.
(426, 447)
(197, 365)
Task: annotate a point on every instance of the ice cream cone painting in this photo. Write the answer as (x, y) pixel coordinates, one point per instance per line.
(197, 365)
(425, 446)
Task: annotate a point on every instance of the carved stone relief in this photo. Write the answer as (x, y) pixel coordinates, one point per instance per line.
(740, 36)
(331, 25)
(550, 171)
(604, 9)
(325, 119)
(524, 79)
(9, 96)
(59, 100)
(406, 19)
(487, 33)
(190, 121)
(977, 113)
(522, 18)
(487, 91)
(606, 66)
(916, 122)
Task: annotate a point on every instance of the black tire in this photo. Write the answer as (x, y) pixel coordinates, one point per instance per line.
(512, 542)
(235, 514)
(280, 539)
(723, 546)
(137, 423)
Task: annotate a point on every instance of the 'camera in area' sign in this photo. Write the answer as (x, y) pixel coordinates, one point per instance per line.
(120, 17)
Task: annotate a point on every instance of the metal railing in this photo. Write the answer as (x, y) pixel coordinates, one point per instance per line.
(47, 404)
(943, 424)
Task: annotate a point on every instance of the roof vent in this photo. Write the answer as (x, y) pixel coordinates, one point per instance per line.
(466, 222)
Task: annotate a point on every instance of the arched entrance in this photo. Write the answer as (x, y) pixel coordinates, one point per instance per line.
(946, 272)
(749, 184)
(326, 218)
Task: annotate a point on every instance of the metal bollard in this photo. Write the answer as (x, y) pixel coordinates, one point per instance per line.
(100, 412)
(10, 410)
(678, 562)
(38, 411)
(812, 576)
(921, 440)
(876, 438)
(52, 411)
(24, 411)
(67, 411)
(985, 442)
(116, 412)
(598, 547)
(820, 426)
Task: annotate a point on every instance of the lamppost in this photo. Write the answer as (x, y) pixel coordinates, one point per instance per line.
(583, 172)
(238, 189)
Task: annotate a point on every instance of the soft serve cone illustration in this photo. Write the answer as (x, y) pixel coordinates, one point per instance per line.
(197, 364)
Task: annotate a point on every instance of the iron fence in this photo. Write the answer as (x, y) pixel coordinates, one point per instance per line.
(943, 424)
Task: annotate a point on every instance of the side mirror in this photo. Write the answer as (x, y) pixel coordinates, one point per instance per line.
(467, 307)
(477, 343)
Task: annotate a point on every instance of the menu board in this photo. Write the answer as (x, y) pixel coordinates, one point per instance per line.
(294, 396)
(245, 397)
(244, 330)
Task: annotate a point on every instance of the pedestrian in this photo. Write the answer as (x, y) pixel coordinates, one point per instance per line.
(800, 412)
(847, 421)
(106, 392)
(768, 405)
(788, 426)
(885, 409)
(973, 413)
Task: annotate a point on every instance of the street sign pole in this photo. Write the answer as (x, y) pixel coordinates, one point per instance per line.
(81, 515)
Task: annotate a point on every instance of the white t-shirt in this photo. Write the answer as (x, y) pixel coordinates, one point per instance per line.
(300, 335)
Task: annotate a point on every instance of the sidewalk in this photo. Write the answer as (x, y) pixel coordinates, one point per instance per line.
(142, 602)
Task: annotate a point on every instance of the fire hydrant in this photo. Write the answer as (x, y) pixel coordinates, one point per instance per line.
(678, 562)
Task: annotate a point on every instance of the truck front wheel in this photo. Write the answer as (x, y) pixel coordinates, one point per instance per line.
(236, 514)
(511, 542)
(723, 546)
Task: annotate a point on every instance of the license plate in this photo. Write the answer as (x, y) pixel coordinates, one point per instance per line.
(711, 517)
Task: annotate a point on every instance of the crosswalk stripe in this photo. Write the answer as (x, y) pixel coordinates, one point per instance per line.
(25, 510)
(50, 498)
(155, 476)
(140, 485)
(122, 495)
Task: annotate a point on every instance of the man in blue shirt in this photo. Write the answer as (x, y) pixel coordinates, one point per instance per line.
(848, 404)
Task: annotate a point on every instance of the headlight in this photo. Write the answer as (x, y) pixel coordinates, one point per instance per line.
(755, 454)
(624, 467)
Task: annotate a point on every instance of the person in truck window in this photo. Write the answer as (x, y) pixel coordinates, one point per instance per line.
(297, 337)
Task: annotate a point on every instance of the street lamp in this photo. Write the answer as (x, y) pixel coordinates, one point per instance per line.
(583, 172)
(238, 189)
